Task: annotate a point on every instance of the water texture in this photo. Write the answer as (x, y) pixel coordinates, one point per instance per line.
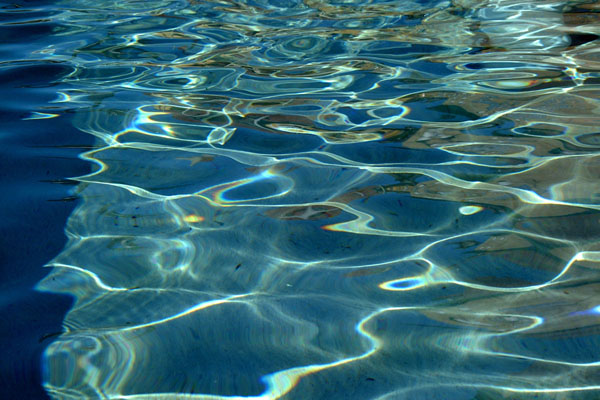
(330, 200)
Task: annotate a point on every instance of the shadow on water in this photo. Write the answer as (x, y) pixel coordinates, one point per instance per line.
(36, 157)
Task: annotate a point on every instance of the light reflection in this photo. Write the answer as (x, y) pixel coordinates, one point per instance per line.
(400, 200)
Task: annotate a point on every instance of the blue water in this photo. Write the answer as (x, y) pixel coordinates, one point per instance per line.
(302, 199)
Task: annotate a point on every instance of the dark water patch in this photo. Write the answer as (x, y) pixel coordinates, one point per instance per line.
(31, 224)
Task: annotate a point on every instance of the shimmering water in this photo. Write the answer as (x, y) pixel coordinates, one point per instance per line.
(329, 199)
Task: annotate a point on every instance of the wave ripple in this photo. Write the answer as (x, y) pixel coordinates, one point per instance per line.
(312, 199)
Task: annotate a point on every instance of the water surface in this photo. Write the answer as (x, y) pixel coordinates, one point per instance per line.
(330, 200)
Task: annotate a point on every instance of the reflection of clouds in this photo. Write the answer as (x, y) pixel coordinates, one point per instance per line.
(329, 199)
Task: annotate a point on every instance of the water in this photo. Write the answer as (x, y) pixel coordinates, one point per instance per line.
(326, 199)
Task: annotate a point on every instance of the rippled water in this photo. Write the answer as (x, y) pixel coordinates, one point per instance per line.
(329, 199)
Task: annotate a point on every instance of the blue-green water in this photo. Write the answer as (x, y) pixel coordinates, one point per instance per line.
(327, 199)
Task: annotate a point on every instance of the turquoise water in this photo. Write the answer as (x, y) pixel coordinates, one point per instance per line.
(328, 199)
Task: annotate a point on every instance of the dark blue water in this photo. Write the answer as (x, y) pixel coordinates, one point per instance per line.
(36, 158)
(309, 199)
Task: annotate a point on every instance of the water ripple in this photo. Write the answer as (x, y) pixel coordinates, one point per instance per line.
(342, 199)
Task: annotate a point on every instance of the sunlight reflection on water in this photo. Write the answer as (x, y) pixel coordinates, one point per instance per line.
(330, 199)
